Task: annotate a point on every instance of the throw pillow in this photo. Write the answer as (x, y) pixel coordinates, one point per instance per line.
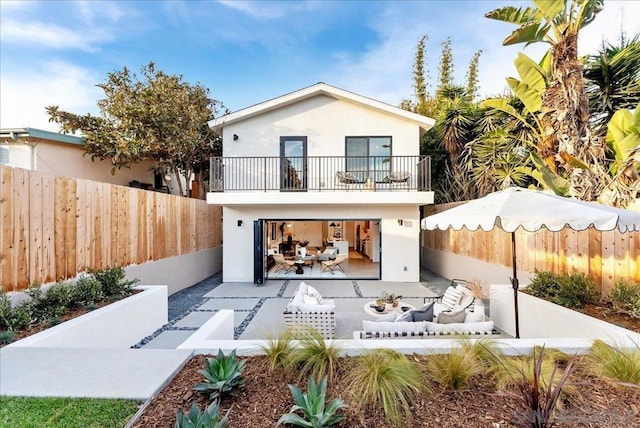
(474, 317)
(314, 293)
(451, 317)
(310, 300)
(467, 299)
(405, 317)
(451, 297)
(424, 314)
(390, 317)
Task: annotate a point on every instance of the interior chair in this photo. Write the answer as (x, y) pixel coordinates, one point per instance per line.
(282, 264)
(333, 265)
(329, 253)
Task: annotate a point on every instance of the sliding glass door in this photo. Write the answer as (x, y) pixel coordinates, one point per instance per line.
(368, 157)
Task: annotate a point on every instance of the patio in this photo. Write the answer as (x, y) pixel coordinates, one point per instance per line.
(258, 309)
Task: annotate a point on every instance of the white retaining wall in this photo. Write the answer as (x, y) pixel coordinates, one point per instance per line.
(179, 272)
(118, 325)
(450, 265)
(542, 319)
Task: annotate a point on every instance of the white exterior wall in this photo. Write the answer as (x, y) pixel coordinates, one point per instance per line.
(325, 122)
(399, 243)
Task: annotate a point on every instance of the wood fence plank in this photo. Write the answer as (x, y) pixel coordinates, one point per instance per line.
(71, 240)
(60, 227)
(608, 260)
(621, 254)
(8, 249)
(48, 228)
(35, 213)
(81, 226)
(21, 227)
(595, 257)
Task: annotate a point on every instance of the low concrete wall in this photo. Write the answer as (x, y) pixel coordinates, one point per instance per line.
(179, 272)
(118, 325)
(542, 319)
(219, 327)
(451, 266)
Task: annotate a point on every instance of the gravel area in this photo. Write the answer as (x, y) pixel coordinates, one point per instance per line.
(185, 300)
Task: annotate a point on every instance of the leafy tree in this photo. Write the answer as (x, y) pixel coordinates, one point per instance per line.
(157, 116)
(565, 106)
(612, 81)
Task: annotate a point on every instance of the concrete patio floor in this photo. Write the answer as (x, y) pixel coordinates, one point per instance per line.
(258, 309)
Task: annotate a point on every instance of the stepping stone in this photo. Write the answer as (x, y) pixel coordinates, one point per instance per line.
(216, 304)
(168, 339)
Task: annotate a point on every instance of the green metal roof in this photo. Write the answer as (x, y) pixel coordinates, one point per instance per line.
(16, 133)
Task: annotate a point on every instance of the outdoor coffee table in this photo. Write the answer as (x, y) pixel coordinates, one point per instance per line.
(398, 309)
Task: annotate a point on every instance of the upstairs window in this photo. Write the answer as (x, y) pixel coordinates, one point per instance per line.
(368, 157)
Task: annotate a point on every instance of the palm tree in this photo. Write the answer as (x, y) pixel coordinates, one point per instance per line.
(613, 81)
(565, 107)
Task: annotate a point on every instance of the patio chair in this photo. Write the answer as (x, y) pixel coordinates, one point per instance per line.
(398, 178)
(348, 179)
(282, 264)
(333, 265)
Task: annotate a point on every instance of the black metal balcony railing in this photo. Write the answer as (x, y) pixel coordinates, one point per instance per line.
(321, 173)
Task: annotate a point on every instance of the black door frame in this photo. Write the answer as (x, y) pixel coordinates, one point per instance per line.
(283, 172)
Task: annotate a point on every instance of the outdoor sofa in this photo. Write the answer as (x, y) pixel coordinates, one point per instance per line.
(307, 309)
(455, 313)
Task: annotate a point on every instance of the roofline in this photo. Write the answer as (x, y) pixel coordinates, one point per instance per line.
(312, 91)
(17, 133)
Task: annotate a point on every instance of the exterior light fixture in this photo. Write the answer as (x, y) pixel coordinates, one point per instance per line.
(235, 137)
(239, 223)
(400, 222)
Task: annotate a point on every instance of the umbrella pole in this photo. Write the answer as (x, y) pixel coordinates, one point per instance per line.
(514, 282)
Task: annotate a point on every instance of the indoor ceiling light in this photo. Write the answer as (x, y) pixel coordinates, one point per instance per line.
(332, 224)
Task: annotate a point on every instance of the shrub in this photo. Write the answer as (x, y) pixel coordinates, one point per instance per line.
(615, 364)
(312, 407)
(221, 374)
(544, 285)
(575, 290)
(113, 282)
(315, 357)
(625, 298)
(278, 350)
(569, 290)
(196, 418)
(6, 311)
(539, 397)
(383, 378)
(453, 370)
(86, 291)
(7, 337)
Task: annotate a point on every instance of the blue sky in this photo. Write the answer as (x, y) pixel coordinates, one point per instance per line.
(55, 52)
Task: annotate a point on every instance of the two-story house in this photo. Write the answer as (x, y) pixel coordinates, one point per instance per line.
(325, 166)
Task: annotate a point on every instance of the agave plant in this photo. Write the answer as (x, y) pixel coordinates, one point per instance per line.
(196, 418)
(312, 406)
(222, 374)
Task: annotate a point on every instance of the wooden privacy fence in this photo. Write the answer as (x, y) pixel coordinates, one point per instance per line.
(605, 257)
(55, 227)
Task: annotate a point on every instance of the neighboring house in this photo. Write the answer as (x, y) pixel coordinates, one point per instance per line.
(62, 155)
(321, 164)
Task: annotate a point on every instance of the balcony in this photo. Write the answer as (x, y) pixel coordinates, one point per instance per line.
(321, 174)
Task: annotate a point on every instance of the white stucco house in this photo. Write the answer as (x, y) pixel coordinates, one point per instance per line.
(325, 166)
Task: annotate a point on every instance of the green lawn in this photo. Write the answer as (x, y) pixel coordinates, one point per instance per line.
(27, 412)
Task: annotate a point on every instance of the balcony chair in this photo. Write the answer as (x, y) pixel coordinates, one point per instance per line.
(398, 178)
(333, 265)
(282, 264)
(348, 179)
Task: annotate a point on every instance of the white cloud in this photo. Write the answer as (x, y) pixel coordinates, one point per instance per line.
(26, 94)
(259, 10)
(607, 24)
(51, 35)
